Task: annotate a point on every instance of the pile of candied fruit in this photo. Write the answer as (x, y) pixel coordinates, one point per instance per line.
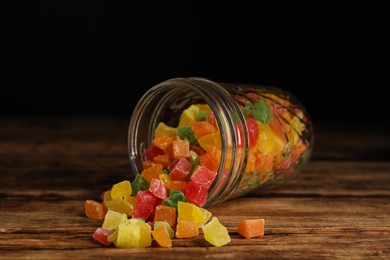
(165, 201)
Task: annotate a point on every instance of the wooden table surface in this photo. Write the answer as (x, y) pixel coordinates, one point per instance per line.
(338, 207)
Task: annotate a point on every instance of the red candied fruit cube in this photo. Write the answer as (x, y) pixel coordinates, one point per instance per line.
(196, 193)
(179, 169)
(153, 151)
(253, 131)
(101, 235)
(203, 176)
(146, 204)
(157, 187)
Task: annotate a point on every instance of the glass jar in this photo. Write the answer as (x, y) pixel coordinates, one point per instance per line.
(265, 133)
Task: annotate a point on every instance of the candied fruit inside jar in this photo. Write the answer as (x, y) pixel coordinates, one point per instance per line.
(216, 141)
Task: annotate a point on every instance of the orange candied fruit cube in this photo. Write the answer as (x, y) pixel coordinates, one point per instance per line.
(178, 185)
(249, 228)
(161, 235)
(162, 141)
(265, 163)
(162, 159)
(181, 149)
(148, 164)
(186, 229)
(203, 128)
(211, 159)
(165, 213)
(94, 209)
(152, 172)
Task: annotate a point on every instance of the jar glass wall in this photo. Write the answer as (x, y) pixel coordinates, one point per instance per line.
(264, 133)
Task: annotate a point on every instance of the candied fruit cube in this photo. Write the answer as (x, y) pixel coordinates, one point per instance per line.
(101, 235)
(168, 227)
(163, 129)
(158, 189)
(215, 233)
(146, 203)
(181, 149)
(113, 219)
(189, 211)
(179, 169)
(186, 229)
(196, 193)
(161, 235)
(174, 197)
(203, 176)
(211, 159)
(94, 209)
(203, 128)
(121, 190)
(152, 172)
(165, 213)
(139, 184)
(122, 205)
(249, 228)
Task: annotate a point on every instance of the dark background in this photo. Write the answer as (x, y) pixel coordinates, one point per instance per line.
(94, 57)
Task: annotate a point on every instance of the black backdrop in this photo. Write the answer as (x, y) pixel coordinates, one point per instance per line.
(79, 57)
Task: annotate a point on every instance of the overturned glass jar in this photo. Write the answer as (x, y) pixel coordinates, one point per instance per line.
(237, 138)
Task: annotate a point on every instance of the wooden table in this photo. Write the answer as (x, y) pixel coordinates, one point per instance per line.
(338, 207)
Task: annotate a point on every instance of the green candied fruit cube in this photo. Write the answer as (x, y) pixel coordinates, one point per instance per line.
(186, 133)
(113, 219)
(121, 190)
(171, 232)
(215, 233)
(202, 115)
(139, 184)
(194, 159)
(174, 197)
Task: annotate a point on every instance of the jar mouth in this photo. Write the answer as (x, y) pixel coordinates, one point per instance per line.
(165, 101)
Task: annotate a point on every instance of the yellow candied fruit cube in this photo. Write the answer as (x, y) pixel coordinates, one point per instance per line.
(145, 238)
(184, 211)
(191, 212)
(113, 219)
(268, 141)
(215, 233)
(205, 107)
(206, 215)
(210, 140)
(165, 179)
(121, 190)
(163, 129)
(122, 205)
(132, 233)
(188, 115)
(128, 235)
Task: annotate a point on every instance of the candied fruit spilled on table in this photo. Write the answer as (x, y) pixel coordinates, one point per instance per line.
(250, 228)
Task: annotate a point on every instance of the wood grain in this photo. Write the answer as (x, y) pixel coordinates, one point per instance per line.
(338, 207)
